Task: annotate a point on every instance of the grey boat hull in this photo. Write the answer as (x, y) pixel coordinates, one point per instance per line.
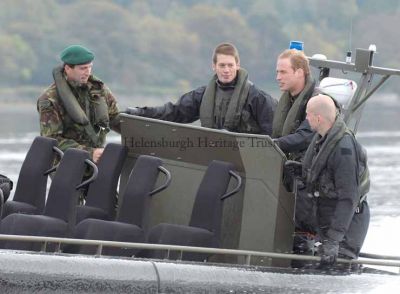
(23, 272)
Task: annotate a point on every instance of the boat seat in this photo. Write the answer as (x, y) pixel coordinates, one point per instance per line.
(131, 213)
(205, 222)
(102, 193)
(58, 218)
(30, 192)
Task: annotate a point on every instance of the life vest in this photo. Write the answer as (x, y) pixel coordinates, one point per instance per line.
(288, 117)
(235, 106)
(75, 111)
(364, 182)
(314, 169)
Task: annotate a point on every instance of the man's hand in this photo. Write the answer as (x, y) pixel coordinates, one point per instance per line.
(294, 168)
(97, 152)
(134, 111)
(329, 250)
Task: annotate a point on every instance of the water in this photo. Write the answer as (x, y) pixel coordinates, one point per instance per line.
(379, 132)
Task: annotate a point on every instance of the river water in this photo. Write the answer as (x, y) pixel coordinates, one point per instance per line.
(379, 132)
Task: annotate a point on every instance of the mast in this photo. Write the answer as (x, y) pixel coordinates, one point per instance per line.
(363, 66)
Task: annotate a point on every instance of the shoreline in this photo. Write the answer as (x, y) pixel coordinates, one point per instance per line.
(151, 100)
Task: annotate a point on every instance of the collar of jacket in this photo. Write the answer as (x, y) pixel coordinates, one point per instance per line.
(236, 103)
(288, 116)
(314, 162)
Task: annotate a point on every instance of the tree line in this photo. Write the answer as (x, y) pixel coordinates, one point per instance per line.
(156, 47)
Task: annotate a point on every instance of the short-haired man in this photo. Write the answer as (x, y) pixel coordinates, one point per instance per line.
(78, 109)
(292, 132)
(332, 167)
(229, 101)
(290, 127)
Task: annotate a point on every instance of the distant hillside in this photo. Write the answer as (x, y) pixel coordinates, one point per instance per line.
(162, 48)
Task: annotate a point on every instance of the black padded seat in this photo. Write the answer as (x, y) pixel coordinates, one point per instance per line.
(102, 193)
(98, 229)
(174, 234)
(131, 214)
(30, 193)
(11, 207)
(205, 222)
(58, 219)
(83, 212)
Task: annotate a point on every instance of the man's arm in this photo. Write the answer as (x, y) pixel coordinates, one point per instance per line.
(263, 108)
(186, 110)
(113, 111)
(297, 141)
(344, 165)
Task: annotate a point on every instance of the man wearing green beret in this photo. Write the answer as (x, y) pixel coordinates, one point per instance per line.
(78, 109)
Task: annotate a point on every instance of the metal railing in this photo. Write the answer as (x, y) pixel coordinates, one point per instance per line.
(247, 254)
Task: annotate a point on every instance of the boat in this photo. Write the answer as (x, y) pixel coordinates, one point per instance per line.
(257, 222)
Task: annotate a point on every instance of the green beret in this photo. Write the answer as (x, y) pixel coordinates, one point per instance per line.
(76, 54)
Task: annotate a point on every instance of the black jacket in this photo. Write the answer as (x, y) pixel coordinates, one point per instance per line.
(338, 187)
(298, 141)
(260, 105)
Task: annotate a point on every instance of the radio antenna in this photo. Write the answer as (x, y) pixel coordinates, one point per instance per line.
(351, 32)
(348, 54)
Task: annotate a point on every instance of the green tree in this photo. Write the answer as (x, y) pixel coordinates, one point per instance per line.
(17, 60)
(145, 46)
(214, 25)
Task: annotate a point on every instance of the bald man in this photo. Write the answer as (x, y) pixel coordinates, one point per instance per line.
(321, 114)
(331, 168)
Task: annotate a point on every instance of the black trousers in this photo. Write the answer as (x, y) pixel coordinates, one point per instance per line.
(354, 238)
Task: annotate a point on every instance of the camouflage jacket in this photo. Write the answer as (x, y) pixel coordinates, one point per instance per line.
(56, 123)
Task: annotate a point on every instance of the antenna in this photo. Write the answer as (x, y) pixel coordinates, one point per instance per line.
(351, 32)
(348, 54)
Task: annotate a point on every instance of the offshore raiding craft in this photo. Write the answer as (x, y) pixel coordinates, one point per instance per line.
(256, 219)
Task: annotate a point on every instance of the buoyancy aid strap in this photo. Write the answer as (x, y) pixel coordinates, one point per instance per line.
(92, 135)
(68, 99)
(235, 106)
(238, 100)
(288, 116)
(207, 104)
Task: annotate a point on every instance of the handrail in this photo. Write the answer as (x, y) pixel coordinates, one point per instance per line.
(92, 178)
(293, 168)
(378, 256)
(167, 181)
(58, 151)
(60, 154)
(236, 189)
(341, 65)
(1, 203)
(293, 163)
(247, 253)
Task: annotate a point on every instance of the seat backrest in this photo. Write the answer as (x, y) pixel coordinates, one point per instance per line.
(63, 195)
(102, 192)
(32, 183)
(134, 203)
(207, 208)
